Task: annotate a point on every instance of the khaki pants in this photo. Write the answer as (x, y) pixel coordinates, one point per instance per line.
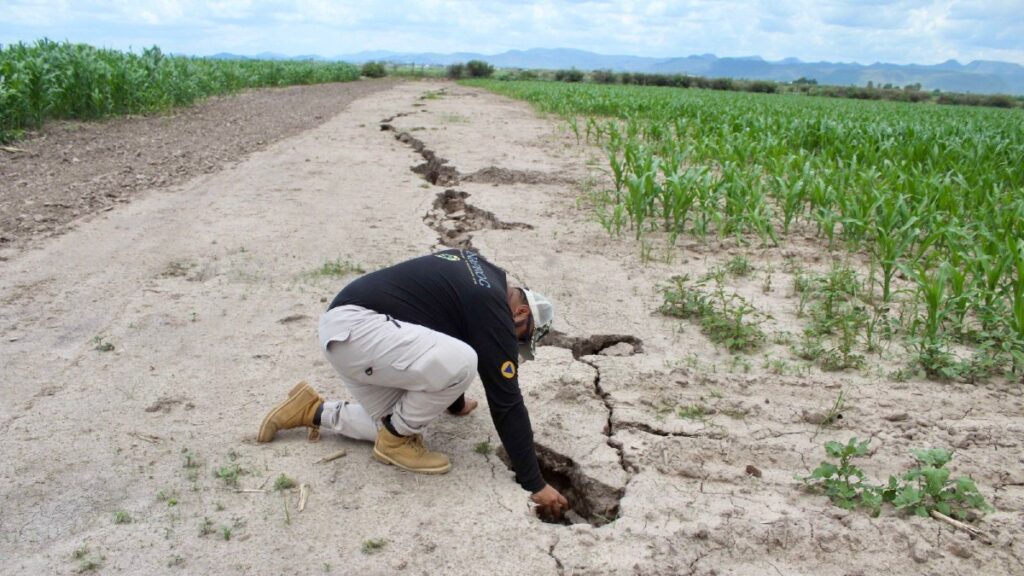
(391, 367)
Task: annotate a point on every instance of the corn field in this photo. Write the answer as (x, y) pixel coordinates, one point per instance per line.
(49, 80)
(934, 195)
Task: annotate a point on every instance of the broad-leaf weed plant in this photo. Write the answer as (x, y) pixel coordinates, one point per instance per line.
(927, 487)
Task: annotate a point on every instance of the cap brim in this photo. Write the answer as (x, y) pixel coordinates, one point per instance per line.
(529, 350)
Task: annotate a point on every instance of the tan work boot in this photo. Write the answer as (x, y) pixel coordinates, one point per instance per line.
(409, 453)
(298, 410)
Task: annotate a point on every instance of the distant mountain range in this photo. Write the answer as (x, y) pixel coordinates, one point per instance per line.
(979, 76)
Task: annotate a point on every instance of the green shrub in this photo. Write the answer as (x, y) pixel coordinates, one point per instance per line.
(763, 87)
(374, 70)
(571, 75)
(479, 69)
(455, 71)
(603, 76)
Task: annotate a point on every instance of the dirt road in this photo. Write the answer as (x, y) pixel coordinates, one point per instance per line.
(141, 349)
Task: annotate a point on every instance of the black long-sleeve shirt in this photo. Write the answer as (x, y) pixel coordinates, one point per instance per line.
(459, 293)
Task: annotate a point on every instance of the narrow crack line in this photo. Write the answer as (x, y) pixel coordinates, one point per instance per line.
(609, 430)
(701, 556)
(648, 429)
(494, 490)
(558, 562)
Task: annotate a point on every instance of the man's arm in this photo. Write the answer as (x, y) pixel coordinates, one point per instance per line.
(494, 340)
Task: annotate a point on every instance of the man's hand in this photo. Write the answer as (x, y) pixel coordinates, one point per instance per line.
(550, 503)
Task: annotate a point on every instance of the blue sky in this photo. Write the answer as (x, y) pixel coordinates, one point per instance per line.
(866, 31)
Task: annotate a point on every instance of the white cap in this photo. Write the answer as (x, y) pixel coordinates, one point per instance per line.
(542, 314)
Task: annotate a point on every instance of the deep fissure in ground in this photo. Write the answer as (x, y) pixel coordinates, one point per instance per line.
(589, 345)
(592, 501)
(454, 218)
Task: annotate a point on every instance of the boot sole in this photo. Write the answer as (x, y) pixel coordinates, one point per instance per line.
(266, 421)
(383, 458)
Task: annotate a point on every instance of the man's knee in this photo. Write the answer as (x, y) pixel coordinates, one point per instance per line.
(453, 366)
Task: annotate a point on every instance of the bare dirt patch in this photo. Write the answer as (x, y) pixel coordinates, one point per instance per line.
(72, 169)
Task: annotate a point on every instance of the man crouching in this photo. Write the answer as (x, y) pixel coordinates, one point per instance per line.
(407, 341)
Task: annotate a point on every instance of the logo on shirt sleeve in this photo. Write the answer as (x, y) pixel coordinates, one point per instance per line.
(448, 257)
(508, 370)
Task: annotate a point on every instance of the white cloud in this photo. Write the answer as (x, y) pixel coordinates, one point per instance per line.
(848, 30)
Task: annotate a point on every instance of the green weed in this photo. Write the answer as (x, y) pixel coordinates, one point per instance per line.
(726, 319)
(283, 482)
(692, 412)
(922, 489)
(229, 473)
(373, 545)
(206, 527)
(844, 483)
(739, 266)
(929, 487)
(101, 345)
(337, 269)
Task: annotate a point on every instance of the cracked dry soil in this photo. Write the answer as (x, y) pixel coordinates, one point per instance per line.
(152, 338)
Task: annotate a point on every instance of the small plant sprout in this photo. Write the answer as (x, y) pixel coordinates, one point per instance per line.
(844, 483)
(337, 269)
(726, 319)
(99, 344)
(692, 412)
(283, 482)
(86, 562)
(191, 459)
(122, 517)
(483, 448)
(229, 473)
(205, 527)
(225, 532)
(739, 266)
(373, 545)
(833, 414)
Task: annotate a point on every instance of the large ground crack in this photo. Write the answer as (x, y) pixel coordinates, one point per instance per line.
(455, 220)
(452, 217)
(434, 169)
(593, 501)
(607, 344)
